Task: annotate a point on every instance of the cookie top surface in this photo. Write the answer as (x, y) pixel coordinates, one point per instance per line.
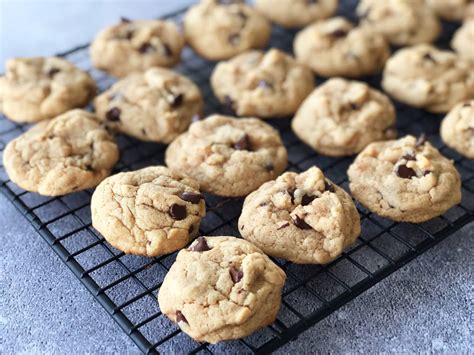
(406, 180)
(296, 13)
(221, 29)
(303, 218)
(341, 117)
(134, 46)
(229, 157)
(39, 88)
(149, 212)
(452, 10)
(68, 153)
(426, 77)
(334, 47)
(221, 288)
(401, 22)
(156, 105)
(457, 128)
(463, 40)
(263, 84)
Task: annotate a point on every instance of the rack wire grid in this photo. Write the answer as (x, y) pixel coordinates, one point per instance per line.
(127, 286)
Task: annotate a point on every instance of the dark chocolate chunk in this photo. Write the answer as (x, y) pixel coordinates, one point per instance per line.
(329, 187)
(420, 140)
(269, 167)
(53, 71)
(88, 167)
(201, 245)
(354, 106)
(167, 49)
(284, 225)
(339, 33)
(129, 34)
(243, 143)
(113, 114)
(405, 172)
(178, 212)
(409, 156)
(300, 223)
(235, 274)
(291, 192)
(176, 100)
(191, 197)
(146, 48)
(180, 317)
(428, 57)
(125, 20)
(306, 199)
(234, 39)
(229, 103)
(426, 172)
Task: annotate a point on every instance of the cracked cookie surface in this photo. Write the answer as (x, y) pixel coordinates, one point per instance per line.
(452, 10)
(221, 288)
(229, 157)
(149, 212)
(222, 29)
(154, 106)
(304, 218)
(426, 77)
(296, 13)
(401, 22)
(134, 46)
(463, 40)
(334, 47)
(69, 153)
(405, 180)
(38, 88)
(341, 117)
(264, 84)
(457, 128)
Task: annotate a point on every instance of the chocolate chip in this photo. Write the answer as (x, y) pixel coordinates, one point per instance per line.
(300, 223)
(88, 167)
(243, 143)
(339, 33)
(329, 187)
(306, 199)
(191, 197)
(409, 156)
(53, 71)
(113, 114)
(125, 20)
(405, 172)
(429, 58)
(284, 225)
(146, 48)
(176, 100)
(291, 192)
(178, 212)
(229, 103)
(466, 104)
(196, 118)
(354, 106)
(168, 50)
(426, 172)
(263, 204)
(129, 34)
(420, 140)
(235, 274)
(234, 39)
(201, 245)
(264, 84)
(180, 317)
(269, 167)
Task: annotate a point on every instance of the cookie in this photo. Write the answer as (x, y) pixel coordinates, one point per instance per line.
(341, 117)
(296, 13)
(335, 47)
(228, 157)
(304, 218)
(255, 83)
(154, 106)
(426, 77)
(401, 22)
(452, 10)
(457, 128)
(463, 41)
(135, 46)
(219, 30)
(38, 88)
(405, 180)
(69, 153)
(149, 212)
(221, 288)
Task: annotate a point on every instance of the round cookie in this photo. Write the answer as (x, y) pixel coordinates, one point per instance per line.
(463, 41)
(303, 218)
(219, 30)
(452, 10)
(39, 88)
(401, 22)
(255, 83)
(69, 153)
(155, 106)
(426, 77)
(341, 117)
(457, 128)
(296, 13)
(149, 212)
(134, 46)
(221, 288)
(335, 47)
(405, 180)
(229, 157)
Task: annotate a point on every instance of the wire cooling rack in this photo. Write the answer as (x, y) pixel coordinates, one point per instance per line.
(127, 286)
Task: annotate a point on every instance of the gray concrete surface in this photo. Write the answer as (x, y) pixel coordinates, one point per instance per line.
(425, 307)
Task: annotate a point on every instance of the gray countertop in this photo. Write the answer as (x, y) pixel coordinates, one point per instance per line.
(425, 307)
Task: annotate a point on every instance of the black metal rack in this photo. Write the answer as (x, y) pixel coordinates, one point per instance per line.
(127, 286)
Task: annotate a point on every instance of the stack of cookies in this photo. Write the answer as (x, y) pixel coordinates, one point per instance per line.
(223, 287)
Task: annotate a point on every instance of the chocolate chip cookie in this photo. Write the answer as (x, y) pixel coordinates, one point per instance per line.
(296, 13)
(149, 212)
(304, 218)
(452, 10)
(155, 106)
(463, 41)
(405, 180)
(134, 46)
(401, 22)
(341, 117)
(255, 83)
(426, 77)
(335, 47)
(39, 88)
(457, 128)
(218, 29)
(69, 153)
(229, 157)
(221, 288)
